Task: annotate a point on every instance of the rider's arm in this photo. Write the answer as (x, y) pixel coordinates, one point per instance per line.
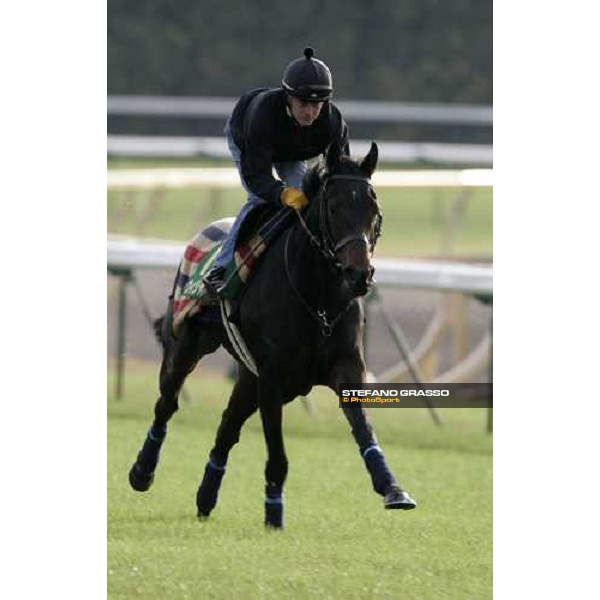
(339, 130)
(257, 157)
(344, 141)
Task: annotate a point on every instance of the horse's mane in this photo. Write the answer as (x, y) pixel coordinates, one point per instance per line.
(315, 176)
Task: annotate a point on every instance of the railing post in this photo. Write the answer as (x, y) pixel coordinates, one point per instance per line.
(124, 276)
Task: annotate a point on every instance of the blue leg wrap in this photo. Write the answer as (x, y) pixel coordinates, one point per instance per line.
(274, 505)
(150, 453)
(208, 492)
(381, 476)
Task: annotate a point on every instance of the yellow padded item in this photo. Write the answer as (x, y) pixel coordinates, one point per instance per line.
(293, 197)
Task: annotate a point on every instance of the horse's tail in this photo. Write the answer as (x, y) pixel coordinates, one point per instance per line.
(158, 329)
(162, 327)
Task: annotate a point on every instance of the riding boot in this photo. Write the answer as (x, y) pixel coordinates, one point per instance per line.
(213, 282)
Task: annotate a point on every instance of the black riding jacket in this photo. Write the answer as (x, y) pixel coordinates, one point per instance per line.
(266, 133)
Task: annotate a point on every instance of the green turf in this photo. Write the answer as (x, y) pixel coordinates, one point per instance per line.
(339, 542)
(414, 219)
(129, 162)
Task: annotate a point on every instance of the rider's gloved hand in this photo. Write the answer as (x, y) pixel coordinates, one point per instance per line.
(294, 198)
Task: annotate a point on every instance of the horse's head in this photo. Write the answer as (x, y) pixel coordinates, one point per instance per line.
(349, 216)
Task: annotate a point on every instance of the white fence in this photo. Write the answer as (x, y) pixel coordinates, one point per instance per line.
(353, 110)
(359, 110)
(131, 253)
(126, 255)
(146, 146)
(229, 178)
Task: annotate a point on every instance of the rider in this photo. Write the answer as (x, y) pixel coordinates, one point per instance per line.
(280, 128)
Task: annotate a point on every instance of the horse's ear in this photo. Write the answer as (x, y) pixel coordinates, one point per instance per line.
(369, 163)
(334, 153)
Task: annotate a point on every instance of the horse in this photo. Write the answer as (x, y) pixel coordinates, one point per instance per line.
(302, 319)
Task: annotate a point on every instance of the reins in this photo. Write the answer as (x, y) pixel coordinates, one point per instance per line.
(320, 316)
(328, 249)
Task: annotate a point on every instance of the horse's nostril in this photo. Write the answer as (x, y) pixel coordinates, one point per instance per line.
(357, 277)
(351, 273)
(371, 273)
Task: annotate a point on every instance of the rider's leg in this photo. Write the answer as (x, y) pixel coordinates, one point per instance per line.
(214, 279)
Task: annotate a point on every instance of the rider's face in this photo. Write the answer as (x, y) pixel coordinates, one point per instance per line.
(305, 112)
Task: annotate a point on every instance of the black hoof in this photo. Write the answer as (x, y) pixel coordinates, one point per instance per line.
(398, 499)
(208, 491)
(139, 480)
(274, 514)
(206, 500)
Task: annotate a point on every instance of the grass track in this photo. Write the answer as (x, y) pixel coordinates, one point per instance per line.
(339, 542)
(413, 219)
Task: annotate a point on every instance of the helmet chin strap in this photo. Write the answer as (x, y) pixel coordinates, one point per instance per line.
(288, 108)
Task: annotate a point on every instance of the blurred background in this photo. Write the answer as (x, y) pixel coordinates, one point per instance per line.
(413, 51)
(415, 76)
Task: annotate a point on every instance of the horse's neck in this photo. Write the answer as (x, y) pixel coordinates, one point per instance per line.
(314, 277)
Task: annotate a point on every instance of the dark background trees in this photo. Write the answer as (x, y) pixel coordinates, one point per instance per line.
(414, 50)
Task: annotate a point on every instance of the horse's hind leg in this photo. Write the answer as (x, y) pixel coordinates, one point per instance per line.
(180, 357)
(243, 402)
(271, 404)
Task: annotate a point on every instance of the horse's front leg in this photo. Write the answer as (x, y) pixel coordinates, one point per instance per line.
(384, 482)
(270, 402)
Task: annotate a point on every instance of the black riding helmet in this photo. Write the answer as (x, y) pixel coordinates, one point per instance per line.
(308, 78)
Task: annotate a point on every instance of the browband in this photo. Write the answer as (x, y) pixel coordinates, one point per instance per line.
(350, 177)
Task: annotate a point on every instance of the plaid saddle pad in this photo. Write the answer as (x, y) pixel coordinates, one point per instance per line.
(201, 253)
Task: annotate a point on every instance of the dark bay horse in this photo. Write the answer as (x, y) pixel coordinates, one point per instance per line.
(302, 319)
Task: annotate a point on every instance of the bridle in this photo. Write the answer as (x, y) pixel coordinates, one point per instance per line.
(324, 241)
(329, 248)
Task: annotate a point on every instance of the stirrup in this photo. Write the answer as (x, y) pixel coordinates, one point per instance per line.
(213, 284)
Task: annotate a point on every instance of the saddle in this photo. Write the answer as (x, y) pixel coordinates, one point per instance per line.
(257, 232)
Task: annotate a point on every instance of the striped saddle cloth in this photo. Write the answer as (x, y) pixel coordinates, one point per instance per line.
(201, 253)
